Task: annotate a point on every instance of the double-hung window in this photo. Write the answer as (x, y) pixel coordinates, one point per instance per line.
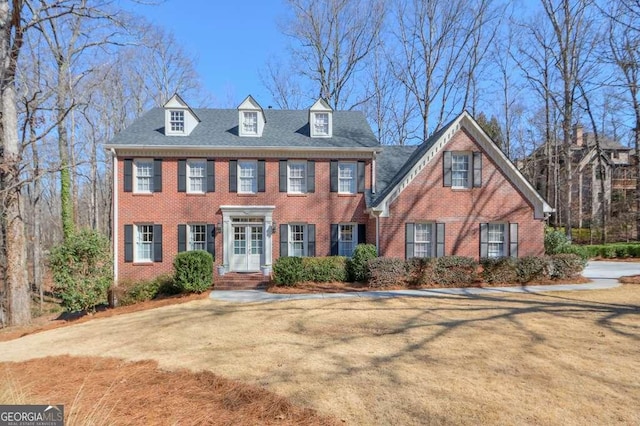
(144, 243)
(197, 174)
(460, 170)
(197, 237)
(347, 239)
(143, 175)
(247, 177)
(297, 171)
(496, 240)
(321, 123)
(423, 240)
(297, 240)
(250, 122)
(346, 178)
(176, 121)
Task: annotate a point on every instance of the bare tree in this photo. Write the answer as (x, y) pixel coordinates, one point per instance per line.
(332, 38)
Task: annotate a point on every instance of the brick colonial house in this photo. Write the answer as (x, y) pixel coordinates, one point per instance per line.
(250, 185)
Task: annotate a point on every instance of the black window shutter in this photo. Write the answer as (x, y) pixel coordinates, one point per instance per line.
(484, 244)
(477, 169)
(182, 238)
(157, 175)
(233, 175)
(439, 239)
(211, 239)
(408, 240)
(311, 240)
(182, 175)
(211, 176)
(446, 166)
(284, 240)
(333, 172)
(128, 175)
(128, 243)
(334, 239)
(282, 176)
(361, 177)
(157, 243)
(362, 233)
(513, 239)
(261, 176)
(311, 176)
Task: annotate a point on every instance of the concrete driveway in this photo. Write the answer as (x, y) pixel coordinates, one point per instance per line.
(610, 270)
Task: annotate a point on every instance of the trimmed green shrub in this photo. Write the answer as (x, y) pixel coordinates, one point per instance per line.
(386, 272)
(193, 271)
(357, 265)
(420, 271)
(565, 266)
(324, 269)
(456, 271)
(530, 268)
(288, 271)
(130, 292)
(555, 241)
(82, 272)
(501, 270)
(580, 251)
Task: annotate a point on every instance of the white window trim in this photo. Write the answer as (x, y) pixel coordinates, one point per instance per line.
(136, 163)
(354, 179)
(138, 242)
(254, 186)
(429, 242)
(243, 131)
(304, 176)
(469, 156)
(190, 236)
(312, 124)
(354, 237)
(189, 177)
(504, 242)
(170, 122)
(305, 238)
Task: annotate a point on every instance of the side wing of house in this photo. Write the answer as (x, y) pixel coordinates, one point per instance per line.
(459, 195)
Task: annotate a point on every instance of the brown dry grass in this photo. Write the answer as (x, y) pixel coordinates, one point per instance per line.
(112, 391)
(557, 358)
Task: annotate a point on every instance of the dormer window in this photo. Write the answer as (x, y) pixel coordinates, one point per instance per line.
(251, 118)
(250, 122)
(177, 121)
(321, 123)
(320, 120)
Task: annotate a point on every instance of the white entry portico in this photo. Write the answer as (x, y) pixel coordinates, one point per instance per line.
(247, 237)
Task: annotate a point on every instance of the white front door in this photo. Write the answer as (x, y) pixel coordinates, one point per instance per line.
(248, 247)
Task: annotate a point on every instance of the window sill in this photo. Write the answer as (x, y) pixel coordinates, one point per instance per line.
(143, 263)
(142, 194)
(461, 189)
(196, 194)
(247, 195)
(294, 194)
(346, 195)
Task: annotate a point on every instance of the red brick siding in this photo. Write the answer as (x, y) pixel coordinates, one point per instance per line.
(426, 200)
(170, 208)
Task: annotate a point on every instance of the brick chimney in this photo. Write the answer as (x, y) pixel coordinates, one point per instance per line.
(577, 135)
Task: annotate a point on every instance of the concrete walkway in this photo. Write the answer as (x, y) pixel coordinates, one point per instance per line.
(604, 275)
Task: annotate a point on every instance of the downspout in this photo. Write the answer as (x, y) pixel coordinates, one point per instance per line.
(376, 214)
(114, 191)
(373, 173)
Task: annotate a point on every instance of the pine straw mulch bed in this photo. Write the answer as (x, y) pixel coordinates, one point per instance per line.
(631, 279)
(113, 391)
(343, 287)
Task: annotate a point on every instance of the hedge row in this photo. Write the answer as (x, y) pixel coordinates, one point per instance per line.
(607, 251)
(448, 271)
(288, 271)
(458, 271)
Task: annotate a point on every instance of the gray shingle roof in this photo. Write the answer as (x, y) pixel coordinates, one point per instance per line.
(396, 161)
(219, 128)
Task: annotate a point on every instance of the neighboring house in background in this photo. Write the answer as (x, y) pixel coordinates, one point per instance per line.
(251, 185)
(612, 170)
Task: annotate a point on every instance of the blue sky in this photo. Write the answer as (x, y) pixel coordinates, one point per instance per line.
(231, 40)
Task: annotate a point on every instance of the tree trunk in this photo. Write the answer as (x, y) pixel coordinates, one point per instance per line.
(66, 202)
